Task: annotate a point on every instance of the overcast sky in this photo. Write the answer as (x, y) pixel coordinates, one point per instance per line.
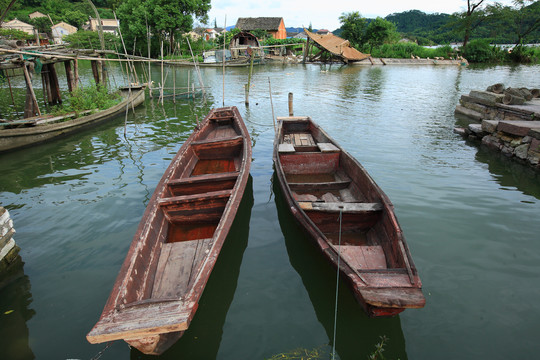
(324, 14)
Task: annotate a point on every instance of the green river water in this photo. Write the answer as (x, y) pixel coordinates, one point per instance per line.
(470, 217)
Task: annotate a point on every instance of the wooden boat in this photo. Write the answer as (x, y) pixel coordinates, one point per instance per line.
(179, 238)
(40, 129)
(322, 184)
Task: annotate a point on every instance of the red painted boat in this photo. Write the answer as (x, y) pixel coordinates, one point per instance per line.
(179, 238)
(333, 197)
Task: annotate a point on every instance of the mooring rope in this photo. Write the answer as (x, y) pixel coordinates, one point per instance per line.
(337, 285)
(99, 354)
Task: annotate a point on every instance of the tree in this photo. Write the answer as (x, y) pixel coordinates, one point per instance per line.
(380, 31)
(470, 19)
(526, 19)
(165, 17)
(353, 27)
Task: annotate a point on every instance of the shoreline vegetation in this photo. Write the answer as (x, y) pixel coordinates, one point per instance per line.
(481, 29)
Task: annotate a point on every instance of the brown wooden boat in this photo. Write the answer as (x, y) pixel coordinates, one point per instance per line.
(348, 215)
(45, 128)
(179, 238)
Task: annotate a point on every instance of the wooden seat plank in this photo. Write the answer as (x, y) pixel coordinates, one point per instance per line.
(205, 178)
(195, 197)
(341, 206)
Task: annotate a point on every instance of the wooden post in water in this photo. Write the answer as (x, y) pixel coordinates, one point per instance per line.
(47, 95)
(76, 71)
(55, 86)
(291, 112)
(95, 71)
(252, 56)
(31, 102)
(69, 75)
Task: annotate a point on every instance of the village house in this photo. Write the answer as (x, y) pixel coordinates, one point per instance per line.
(323, 32)
(108, 25)
(19, 25)
(211, 34)
(273, 25)
(60, 30)
(36, 14)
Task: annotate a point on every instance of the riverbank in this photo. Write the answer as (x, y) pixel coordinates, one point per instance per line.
(391, 61)
(514, 130)
(8, 249)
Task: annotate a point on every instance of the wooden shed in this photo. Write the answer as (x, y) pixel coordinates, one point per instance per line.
(275, 26)
(241, 41)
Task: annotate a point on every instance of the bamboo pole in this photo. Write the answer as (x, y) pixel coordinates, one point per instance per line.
(149, 67)
(223, 59)
(197, 69)
(162, 81)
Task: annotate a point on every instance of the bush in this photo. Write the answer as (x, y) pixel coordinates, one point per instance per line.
(524, 54)
(90, 98)
(408, 49)
(481, 51)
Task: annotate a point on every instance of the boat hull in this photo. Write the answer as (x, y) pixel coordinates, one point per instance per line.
(179, 238)
(14, 139)
(332, 197)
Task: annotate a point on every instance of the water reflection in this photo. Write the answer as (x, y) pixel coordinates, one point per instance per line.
(509, 173)
(357, 334)
(15, 301)
(203, 338)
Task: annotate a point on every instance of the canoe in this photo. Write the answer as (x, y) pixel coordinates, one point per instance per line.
(179, 238)
(41, 129)
(347, 214)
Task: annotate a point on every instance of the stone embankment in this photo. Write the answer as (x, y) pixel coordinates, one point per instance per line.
(507, 120)
(8, 249)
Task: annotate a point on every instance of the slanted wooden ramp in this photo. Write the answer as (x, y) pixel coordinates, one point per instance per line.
(335, 45)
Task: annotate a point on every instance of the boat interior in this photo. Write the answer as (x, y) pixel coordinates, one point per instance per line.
(325, 181)
(194, 200)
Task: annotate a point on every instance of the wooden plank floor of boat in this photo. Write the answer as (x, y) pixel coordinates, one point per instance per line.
(178, 264)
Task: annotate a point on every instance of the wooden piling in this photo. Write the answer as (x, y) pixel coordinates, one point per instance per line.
(69, 75)
(95, 70)
(32, 106)
(291, 112)
(54, 85)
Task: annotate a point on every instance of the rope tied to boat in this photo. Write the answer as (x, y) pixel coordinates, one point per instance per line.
(100, 354)
(337, 283)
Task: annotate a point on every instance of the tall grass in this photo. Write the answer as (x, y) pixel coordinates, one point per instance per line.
(408, 50)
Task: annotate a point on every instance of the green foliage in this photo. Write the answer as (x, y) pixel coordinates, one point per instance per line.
(408, 49)
(165, 18)
(288, 41)
(90, 40)
(379, 32)
(227, 36)
(75, 17)
(524, 55)
(353, 28)
(299, 354)
(43, 24)
(379, 349)
(15, 34)
(480, 51)
(90, 98)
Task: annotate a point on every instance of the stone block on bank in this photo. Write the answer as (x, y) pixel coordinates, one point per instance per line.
(486, 98)
(476, 129)
(492, 141)
(521, 151)
(517, 128)
(490, 126)
(468, 112)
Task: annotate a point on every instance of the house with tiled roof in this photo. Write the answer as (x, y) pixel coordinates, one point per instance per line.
(275, 26)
